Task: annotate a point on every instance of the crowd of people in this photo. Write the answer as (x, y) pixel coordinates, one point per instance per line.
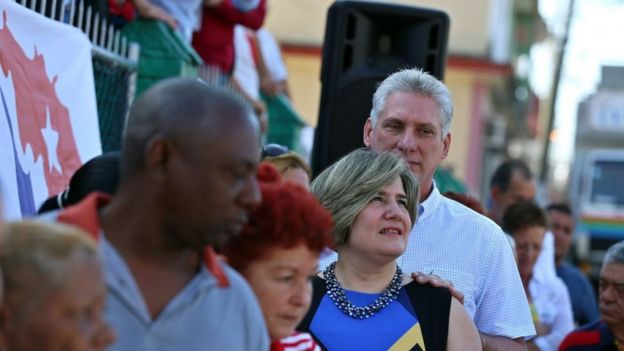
(236, 51)
(196, 236)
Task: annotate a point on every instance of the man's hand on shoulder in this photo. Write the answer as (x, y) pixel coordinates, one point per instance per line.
(434, 280)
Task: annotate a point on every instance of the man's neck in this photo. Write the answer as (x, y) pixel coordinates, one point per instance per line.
(133, 229)
(160, 271)
(618, 334)
(425, 190)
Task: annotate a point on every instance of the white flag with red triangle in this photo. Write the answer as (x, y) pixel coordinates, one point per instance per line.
(48, 112)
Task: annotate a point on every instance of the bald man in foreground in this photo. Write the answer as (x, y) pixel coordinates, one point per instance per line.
(187, 183)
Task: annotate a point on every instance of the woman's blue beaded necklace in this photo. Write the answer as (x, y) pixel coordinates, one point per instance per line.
(337, 294)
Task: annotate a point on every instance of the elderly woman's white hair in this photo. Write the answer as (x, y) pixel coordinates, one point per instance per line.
(34, 257)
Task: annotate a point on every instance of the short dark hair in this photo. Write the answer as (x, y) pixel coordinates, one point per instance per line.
(182, 110)
(523, 215)
(560, 207)
(503, 174)
(100, 173)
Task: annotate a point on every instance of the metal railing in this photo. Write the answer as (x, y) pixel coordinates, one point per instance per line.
(107, 41)
(114, 58)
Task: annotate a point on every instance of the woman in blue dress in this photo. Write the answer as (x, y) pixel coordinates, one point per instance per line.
(363, 301)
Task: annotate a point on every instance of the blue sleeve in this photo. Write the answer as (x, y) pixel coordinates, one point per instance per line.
(589, 312)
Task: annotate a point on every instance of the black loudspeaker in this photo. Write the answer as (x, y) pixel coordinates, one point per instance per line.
(364, 43)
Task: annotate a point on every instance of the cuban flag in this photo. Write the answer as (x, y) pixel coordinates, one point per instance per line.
(48, 113)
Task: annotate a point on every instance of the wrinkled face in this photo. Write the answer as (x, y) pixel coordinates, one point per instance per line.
(282, 282)
(528, 247)
(562, 226)
(382, 228)
(520, 189)
(298, 176)
(611, 294)
(213, 187)
(410, 125)
(67, 319)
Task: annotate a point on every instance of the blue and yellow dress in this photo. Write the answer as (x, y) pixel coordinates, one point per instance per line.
(416, 320)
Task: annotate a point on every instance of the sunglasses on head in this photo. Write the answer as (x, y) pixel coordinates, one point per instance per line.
(274, 150)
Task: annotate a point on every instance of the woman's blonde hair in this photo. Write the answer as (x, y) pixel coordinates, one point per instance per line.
(288, 161)
(34, 257)
(347, 186)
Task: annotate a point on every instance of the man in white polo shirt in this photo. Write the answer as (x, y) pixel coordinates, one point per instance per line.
(411, 116)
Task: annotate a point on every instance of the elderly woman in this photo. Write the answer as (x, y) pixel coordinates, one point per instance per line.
(278, 253)
(548, 297)
(54, 290)
(363, 301)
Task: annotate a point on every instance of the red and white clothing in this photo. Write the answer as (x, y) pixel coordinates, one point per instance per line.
(296, 342)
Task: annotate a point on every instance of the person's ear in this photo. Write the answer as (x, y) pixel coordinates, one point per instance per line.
(447, 145)
(496, 193)
(368, 130)
(157, 155)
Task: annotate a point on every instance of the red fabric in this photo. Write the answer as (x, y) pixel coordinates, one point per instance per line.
(125, 9)
(214, 41)
(85, 216)
(580, 338)
(214, 266)
(295, 342)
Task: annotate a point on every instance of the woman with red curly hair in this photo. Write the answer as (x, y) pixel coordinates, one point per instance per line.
(278, 252)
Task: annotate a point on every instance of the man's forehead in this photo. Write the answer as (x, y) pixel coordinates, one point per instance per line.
(520, 183)
(559, 215)
(613, 271)
(400, 103)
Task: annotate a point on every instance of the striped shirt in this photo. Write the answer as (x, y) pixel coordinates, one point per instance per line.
(296, 342)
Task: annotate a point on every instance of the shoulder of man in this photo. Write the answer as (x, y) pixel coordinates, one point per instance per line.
(593, 334)
(83, 215)
(572, 276)
(468, 216)
(251, 319)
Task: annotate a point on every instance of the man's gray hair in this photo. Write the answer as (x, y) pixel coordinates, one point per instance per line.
(414, 80)
(182, 110)
(615, 254)
(347, 186)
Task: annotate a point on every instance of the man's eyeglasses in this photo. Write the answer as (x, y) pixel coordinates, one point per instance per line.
(274, 150)
(603, 284)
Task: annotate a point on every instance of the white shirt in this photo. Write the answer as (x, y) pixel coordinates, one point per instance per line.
(552, 302)
(245, 71)
(468, 249)
(545, 265)
(272, 55)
